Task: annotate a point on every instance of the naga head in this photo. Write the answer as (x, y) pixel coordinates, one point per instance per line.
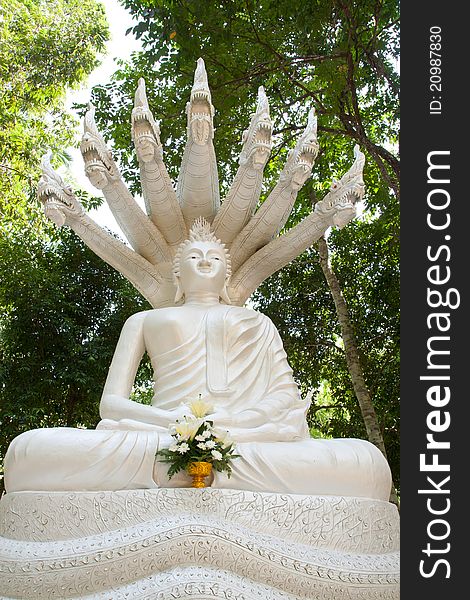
(301, 159)
(257, 138)
(145, 130)
(340, 202)
(57, 198)
(199, 108)
(99, 164)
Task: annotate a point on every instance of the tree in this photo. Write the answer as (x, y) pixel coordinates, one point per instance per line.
(48, 46)
(326, 53)
(62, 310)
(339, 57)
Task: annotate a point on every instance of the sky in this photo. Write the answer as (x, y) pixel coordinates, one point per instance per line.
(119, 46)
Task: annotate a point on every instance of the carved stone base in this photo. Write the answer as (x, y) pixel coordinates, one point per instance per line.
(198, 544)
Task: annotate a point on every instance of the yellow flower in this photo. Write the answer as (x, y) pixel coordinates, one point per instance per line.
(186, 430)
(200, 408)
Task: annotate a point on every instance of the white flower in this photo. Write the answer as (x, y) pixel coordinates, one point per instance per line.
(216, 454)
(200, 408)
(187, 429)
(223, 437)
(206, 433)
(173, 448)
(202, 445)
(209, 444)
(200, 438)
(182, 448)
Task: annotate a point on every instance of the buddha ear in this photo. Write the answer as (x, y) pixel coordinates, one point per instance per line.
(179, 292)
(224, 293)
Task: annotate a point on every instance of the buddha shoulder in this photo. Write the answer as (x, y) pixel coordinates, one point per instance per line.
(159, 317)
(163, 319)
(151, 321)
(166, 328)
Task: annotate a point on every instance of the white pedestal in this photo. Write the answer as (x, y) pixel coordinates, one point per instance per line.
(198, 544)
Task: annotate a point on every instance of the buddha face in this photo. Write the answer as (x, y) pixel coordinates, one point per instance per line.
(203, 268)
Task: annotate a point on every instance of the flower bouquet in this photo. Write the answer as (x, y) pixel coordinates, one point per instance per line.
(198, 446)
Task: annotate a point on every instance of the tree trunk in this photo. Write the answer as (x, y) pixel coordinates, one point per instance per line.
(364, 399)
(70, 406)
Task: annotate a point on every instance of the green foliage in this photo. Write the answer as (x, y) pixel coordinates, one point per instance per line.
(366, 260)
(321, 412)
(59, 304)
(323, 53)
(47, 47)
(62, 309)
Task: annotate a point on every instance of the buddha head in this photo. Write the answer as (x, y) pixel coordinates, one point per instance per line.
(202, 264)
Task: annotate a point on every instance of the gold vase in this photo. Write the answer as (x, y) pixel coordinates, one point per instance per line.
(199, 471)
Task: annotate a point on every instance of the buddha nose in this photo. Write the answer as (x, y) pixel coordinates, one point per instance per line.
(204, 262)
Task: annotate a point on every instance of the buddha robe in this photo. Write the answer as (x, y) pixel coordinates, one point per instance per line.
(236, 360)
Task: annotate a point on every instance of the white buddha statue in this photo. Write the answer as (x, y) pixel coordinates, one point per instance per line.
(234, 358)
